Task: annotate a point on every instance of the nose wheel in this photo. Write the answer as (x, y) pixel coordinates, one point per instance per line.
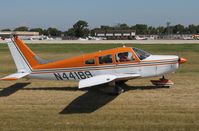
(162, 82)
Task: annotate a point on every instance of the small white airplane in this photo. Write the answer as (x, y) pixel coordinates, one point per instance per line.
(40, 37)
(95, 38)
(112, 67)
(140, 38)
(83, 39)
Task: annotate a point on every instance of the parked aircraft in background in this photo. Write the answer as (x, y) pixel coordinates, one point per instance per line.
(92, 38)
(140, 38)
(144, 38)
(112, 67)
(195, 37)
(188, 38)
(83, 39)
(96, 38)
(40, 37)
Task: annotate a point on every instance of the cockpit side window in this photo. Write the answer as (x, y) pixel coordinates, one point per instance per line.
(141, 54)
(90, 62)
(124, 57)
(107, 59)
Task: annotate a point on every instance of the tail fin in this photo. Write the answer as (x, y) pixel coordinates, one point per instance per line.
(23, 57)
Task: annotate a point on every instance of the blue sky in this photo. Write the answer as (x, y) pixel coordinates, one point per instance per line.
(62, 14)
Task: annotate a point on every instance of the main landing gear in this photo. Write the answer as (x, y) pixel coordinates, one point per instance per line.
(112, 88)
(162, 82)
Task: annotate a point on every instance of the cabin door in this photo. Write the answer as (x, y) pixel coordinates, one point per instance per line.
(125, 63)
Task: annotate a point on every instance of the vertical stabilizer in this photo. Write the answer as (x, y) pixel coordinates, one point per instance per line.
(23, 57)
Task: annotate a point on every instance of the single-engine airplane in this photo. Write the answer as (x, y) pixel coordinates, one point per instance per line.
(112, 67)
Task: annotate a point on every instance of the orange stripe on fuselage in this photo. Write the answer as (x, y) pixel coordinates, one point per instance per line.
(79, 60)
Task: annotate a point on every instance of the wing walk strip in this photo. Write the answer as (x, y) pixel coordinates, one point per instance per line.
(102, 67)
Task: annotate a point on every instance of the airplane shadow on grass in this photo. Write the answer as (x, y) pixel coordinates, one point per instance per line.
(89, 102)
(93, 100)
(12, 89)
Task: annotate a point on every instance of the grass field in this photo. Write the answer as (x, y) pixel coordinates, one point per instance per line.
(50, 105)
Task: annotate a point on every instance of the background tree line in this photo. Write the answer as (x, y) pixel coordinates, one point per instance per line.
(143, 29)
(80, 29)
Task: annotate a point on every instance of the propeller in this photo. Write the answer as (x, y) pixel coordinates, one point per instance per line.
(182, 60)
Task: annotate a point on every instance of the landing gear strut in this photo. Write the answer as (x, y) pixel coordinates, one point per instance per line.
(118, 90)
(112, 88)
(162, 82)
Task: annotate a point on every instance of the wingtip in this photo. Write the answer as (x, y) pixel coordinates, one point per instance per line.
(9, 79)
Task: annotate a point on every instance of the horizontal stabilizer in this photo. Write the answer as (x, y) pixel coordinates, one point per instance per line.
(15, 76)
(103, 79)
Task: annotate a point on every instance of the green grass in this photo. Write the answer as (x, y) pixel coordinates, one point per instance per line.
(64, 48)
(51, 105)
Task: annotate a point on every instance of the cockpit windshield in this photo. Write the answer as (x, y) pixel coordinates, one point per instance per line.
(141, 54)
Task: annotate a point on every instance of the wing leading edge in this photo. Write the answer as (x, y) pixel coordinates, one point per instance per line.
(103, 79)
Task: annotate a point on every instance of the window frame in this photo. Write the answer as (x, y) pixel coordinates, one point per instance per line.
(130, 61)
(141, 51)
(90, 64)
(112, 59)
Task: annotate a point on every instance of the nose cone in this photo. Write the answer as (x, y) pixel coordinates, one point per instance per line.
(182, 60)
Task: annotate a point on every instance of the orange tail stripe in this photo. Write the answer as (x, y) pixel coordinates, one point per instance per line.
(28, 54)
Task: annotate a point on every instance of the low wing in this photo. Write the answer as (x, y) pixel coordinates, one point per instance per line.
(103, 79)
(15, 76)
(126, 76)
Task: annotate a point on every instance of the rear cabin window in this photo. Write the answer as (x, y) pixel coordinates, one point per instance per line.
(125, 57)
(90, 62)
(107, 59)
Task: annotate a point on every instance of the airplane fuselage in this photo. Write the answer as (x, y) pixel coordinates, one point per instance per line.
(154, 65)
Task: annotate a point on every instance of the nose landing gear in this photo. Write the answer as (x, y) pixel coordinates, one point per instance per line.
(162, 82)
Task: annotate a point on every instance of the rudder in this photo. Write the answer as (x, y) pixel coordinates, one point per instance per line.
(23, 57)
